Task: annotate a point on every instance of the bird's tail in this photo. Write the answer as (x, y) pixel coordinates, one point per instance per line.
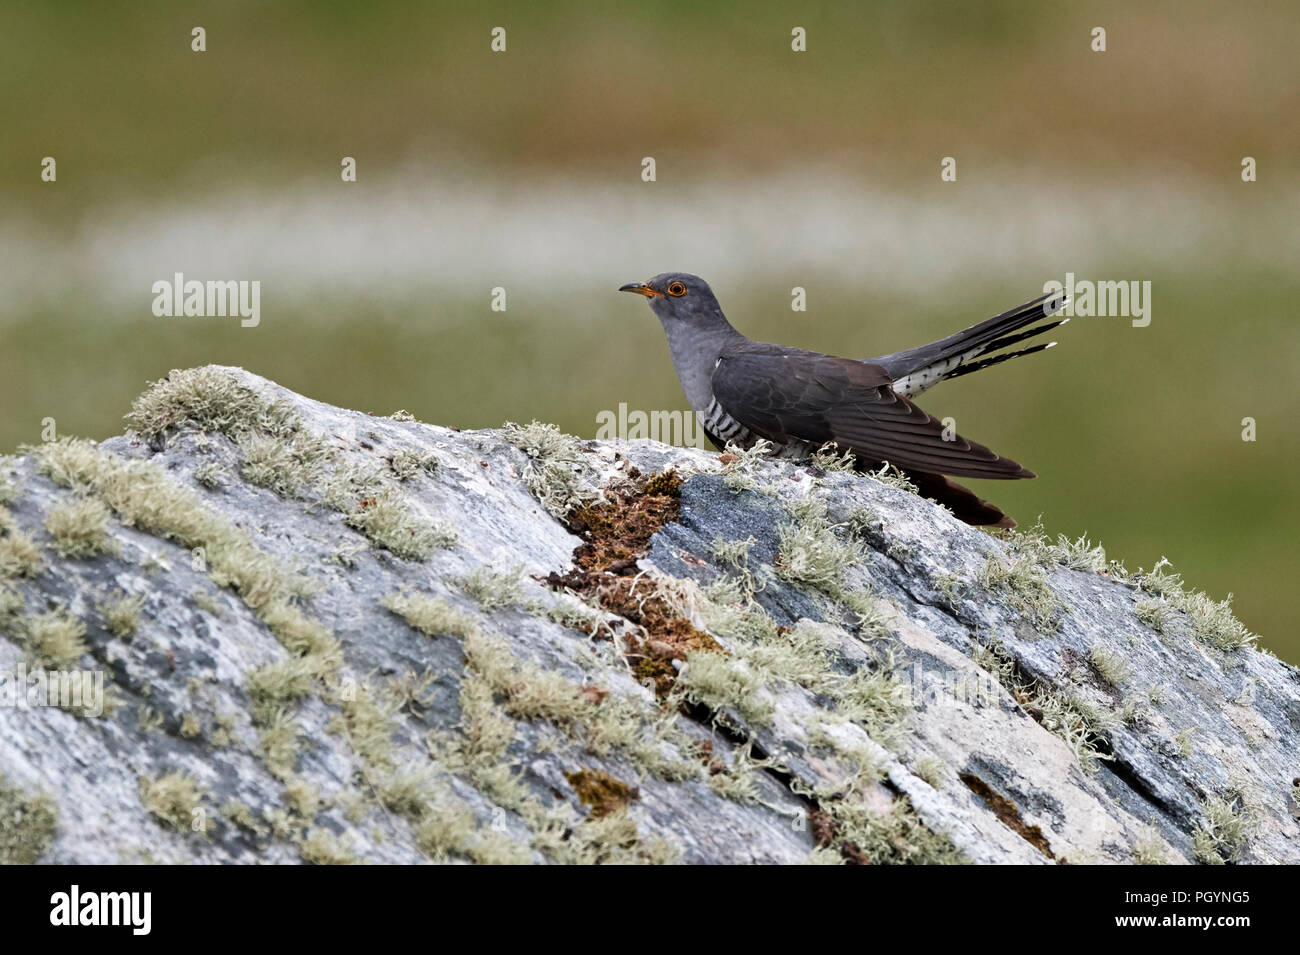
(972, 349)
(964, 503)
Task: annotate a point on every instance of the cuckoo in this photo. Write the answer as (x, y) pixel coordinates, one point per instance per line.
(744, 391)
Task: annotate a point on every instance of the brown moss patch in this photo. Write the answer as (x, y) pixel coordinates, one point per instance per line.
(615, 534)
(662, 635)
(1007, 813)
(822, 825)
(600, 792)
(616, 531)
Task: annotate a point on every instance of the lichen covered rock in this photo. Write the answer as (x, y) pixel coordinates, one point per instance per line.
(271, 630)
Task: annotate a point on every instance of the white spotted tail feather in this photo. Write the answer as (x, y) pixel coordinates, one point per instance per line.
(972, 349)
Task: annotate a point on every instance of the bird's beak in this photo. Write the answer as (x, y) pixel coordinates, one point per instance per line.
(641, 289)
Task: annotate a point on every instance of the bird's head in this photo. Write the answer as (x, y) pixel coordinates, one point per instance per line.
(679, 297)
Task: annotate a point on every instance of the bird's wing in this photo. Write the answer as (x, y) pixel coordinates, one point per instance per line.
(781, 394)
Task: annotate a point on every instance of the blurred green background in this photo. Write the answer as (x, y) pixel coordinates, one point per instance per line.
(775, 169)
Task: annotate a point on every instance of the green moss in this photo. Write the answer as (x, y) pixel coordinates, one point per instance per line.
(28, 824)
(79, 528)
(172, 799)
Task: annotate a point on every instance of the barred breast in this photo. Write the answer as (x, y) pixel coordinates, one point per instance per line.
(728, 430)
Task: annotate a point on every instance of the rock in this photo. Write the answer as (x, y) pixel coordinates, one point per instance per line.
(330, 637)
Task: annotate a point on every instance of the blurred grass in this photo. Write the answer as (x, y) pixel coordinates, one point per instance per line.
(1135, 432)
(286, 88)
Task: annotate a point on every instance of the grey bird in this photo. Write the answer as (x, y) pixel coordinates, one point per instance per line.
(744, 391)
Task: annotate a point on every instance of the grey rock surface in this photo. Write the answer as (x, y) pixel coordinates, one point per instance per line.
(327, 636)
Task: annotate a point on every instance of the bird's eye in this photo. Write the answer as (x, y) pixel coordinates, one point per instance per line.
(677, 289)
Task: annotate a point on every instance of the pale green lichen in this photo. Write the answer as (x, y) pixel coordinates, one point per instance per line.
(1150, 849)
(1154, 612)
(210, 399)
(11, 605)
(495, 589)
(810, 551)
(390, 522)
(322, 847)
(210, 475)
(281, 465)
(829, 458)
(554, 462)
(406, 463)
(20, 556)
(1212, 621)
(54, 639)
(121, 614)
(891, 476)
(432, 616)
(740, 466)
(932, 770)
(1226, 826)
(28, 824)
(174, 799)
(278, 735)
(79, 528)
(1081, 554)
(1080, 724)
(273, 686)
(1109, 665)
(144, 497)
(1019, 574)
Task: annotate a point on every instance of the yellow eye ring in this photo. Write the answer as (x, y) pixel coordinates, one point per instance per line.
(676, 289)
